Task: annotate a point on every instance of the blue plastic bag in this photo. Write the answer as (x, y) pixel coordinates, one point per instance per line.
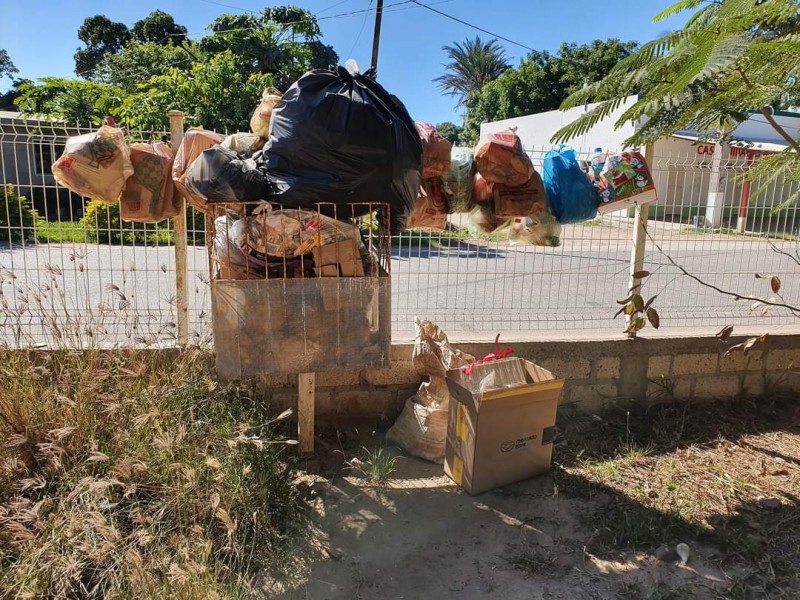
(571, 194)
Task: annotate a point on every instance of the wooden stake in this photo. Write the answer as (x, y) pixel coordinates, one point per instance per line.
(305, 411)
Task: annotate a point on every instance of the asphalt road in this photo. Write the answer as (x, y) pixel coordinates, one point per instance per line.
(472, 289)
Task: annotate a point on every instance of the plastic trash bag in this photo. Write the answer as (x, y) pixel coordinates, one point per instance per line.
(482, 220)
(501, 159)
(430, 212)
(519, 201)
(289, 233)
(482, 190)
(149, 195)
(457, 182)
(341, 138)
(95, 165)
(229, 259)
(262, 116)
(537, 230)
(195, 141)
(571, 194)
(421, 429)
(629, 176)
(219, 175)
(243, 143)
(435, 151)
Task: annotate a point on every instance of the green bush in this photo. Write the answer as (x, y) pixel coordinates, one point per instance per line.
(17, 217)
(104, 226)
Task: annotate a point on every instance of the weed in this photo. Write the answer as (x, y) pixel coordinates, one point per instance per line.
(376, 465)
(127, 474)
(533, 559)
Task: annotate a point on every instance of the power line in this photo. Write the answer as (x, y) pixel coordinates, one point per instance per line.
(457, 20)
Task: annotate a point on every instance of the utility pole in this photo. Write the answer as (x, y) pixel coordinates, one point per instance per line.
(376, 38)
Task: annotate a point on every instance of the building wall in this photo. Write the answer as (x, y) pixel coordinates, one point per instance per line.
(535, 131)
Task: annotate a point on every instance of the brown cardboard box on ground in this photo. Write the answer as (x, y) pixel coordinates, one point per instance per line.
(503, 435)
(344, 253)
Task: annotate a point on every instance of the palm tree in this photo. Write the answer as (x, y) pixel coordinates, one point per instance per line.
(472, 65)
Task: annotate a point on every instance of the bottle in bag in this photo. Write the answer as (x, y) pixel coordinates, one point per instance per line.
(598, 161)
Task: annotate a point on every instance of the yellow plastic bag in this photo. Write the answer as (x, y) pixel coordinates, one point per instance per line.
(259, 122)
(95, 165)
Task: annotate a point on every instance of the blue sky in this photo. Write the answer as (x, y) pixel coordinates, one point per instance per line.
(41, 36)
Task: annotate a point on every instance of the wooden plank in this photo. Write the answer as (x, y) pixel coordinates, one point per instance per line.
(305, 411)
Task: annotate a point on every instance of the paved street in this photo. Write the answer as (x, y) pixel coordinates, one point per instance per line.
(473, 289)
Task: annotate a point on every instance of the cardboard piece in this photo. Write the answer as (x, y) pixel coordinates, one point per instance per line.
(327, 271)
(345, 254)
(501, 436)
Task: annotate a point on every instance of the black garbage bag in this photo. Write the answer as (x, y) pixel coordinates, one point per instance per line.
(341, 138)
(220, 175)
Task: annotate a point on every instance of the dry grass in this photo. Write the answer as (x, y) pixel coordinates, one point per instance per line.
(136, 475)
(696, 472)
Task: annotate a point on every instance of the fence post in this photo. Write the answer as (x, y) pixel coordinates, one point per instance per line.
(181, 243)
(639, 240)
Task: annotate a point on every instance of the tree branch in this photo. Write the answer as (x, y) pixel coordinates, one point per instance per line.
(784, 252)
(767, 112)
(734, 295)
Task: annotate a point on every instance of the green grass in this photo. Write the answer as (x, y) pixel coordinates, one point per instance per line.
(376, 465)
(52, 232)
(136, 474)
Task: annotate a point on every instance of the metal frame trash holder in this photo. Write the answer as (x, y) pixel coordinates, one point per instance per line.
(286, 315)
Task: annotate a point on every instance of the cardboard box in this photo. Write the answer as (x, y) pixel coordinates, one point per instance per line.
(327, 271)
(345, 254)
(501, 436)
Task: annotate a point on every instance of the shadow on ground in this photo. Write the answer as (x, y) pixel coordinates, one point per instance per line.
(721, 478)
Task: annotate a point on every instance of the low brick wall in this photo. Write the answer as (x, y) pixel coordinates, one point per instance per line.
(598, 373)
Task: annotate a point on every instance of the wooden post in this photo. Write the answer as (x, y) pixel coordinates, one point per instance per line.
(639, 240)
(181, 242)
(305, 411)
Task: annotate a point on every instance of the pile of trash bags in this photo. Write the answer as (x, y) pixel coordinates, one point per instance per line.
(336, 142)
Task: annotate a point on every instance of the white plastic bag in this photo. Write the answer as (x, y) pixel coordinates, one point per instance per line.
(95, 165)
(259, 122)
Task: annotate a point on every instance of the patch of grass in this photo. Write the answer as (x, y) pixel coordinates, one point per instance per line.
(56, 232)
(135, 474)
(376, 465)
(533, 559)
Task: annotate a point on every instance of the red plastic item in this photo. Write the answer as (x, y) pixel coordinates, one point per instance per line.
(496, 355)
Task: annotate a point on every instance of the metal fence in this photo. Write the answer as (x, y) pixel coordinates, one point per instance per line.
(76, 276)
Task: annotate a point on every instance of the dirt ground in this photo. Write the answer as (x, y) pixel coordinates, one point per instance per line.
(723, 479)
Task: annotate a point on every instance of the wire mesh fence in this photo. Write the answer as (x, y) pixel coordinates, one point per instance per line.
(73, 274)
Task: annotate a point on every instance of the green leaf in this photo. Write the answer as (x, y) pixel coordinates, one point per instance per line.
(653, 317)
(638, 302)
(635, 325)
(649, 302)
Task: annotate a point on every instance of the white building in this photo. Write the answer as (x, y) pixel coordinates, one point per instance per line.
(693, 178)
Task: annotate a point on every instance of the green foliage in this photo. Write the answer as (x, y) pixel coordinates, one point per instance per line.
(732, 57)
(450, 131)
(138, 76)
(471, 66)
(17, 217)
(7, 68)
(542, 82)
(215, 94)
(138, 62)
(71, 100)
(158, 27)
(103, 225)
(101, 36)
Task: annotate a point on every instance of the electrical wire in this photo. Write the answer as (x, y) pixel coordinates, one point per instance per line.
(457, 20)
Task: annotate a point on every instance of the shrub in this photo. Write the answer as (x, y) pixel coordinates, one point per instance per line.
(105, 227)
(17, 217)
(135, 474)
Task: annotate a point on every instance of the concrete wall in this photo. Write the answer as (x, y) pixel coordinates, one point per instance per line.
(599, 374)
(536, 130)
